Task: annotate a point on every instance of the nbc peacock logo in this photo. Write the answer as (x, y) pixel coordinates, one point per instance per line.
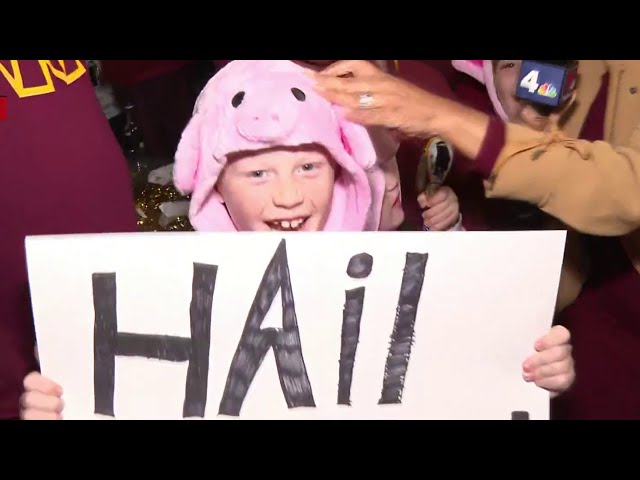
(548, 90)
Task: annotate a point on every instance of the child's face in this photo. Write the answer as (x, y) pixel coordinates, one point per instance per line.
(392, 214)
(278, 190)
(505, 79)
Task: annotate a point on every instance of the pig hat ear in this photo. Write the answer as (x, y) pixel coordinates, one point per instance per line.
(196, 170)
(370, 148)
(482, 71)
(357, 143)
(194, 148)
(187, 157)
(368, 177)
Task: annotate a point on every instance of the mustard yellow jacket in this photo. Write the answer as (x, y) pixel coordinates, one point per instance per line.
(592, 187)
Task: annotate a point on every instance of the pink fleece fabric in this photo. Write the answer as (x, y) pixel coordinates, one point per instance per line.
(482, 71)
(270, 115)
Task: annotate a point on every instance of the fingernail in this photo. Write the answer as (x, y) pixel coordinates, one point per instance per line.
(526, 367)
(538, 345)
(527, 377)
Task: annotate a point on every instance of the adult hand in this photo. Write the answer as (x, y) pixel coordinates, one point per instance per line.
(370, 96)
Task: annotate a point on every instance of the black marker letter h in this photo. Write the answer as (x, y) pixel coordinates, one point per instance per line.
(109, 343)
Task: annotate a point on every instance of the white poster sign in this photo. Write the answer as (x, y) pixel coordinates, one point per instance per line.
(298, 326)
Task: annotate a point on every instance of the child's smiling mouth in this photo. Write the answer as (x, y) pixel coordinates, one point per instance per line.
(288, 225)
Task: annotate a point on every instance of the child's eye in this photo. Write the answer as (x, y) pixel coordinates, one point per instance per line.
(258, 174)
(307, 167)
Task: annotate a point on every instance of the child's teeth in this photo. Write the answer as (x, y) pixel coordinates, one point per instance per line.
(287, 224)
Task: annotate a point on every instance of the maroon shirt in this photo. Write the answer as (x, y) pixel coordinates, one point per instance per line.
(63, 173)
(127, 73)
(431, 79)
(478, 211)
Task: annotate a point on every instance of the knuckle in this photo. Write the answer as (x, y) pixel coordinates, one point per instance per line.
(27, 400)
(32, 414)
(564, 380)
(544, 371)
(557, 354)
(561, 333)
(31, 380)
(568, 365)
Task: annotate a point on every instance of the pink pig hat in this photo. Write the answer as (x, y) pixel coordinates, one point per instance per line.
(482, 71)
(251, 105)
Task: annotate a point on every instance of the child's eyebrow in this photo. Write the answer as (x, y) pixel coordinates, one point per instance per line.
(505, 63)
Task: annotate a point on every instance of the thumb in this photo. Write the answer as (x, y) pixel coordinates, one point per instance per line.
(422, 200)
(435, 198)
(558, 335)
(35, 381)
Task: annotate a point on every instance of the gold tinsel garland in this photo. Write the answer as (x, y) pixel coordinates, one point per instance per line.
(149, 197)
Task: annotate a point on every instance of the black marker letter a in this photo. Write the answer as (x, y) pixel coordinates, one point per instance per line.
(255, 342)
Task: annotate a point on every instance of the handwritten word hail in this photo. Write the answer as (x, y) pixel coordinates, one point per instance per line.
(49, 68)
(255, 340)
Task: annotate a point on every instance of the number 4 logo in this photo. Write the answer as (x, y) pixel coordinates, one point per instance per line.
(530, 81)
